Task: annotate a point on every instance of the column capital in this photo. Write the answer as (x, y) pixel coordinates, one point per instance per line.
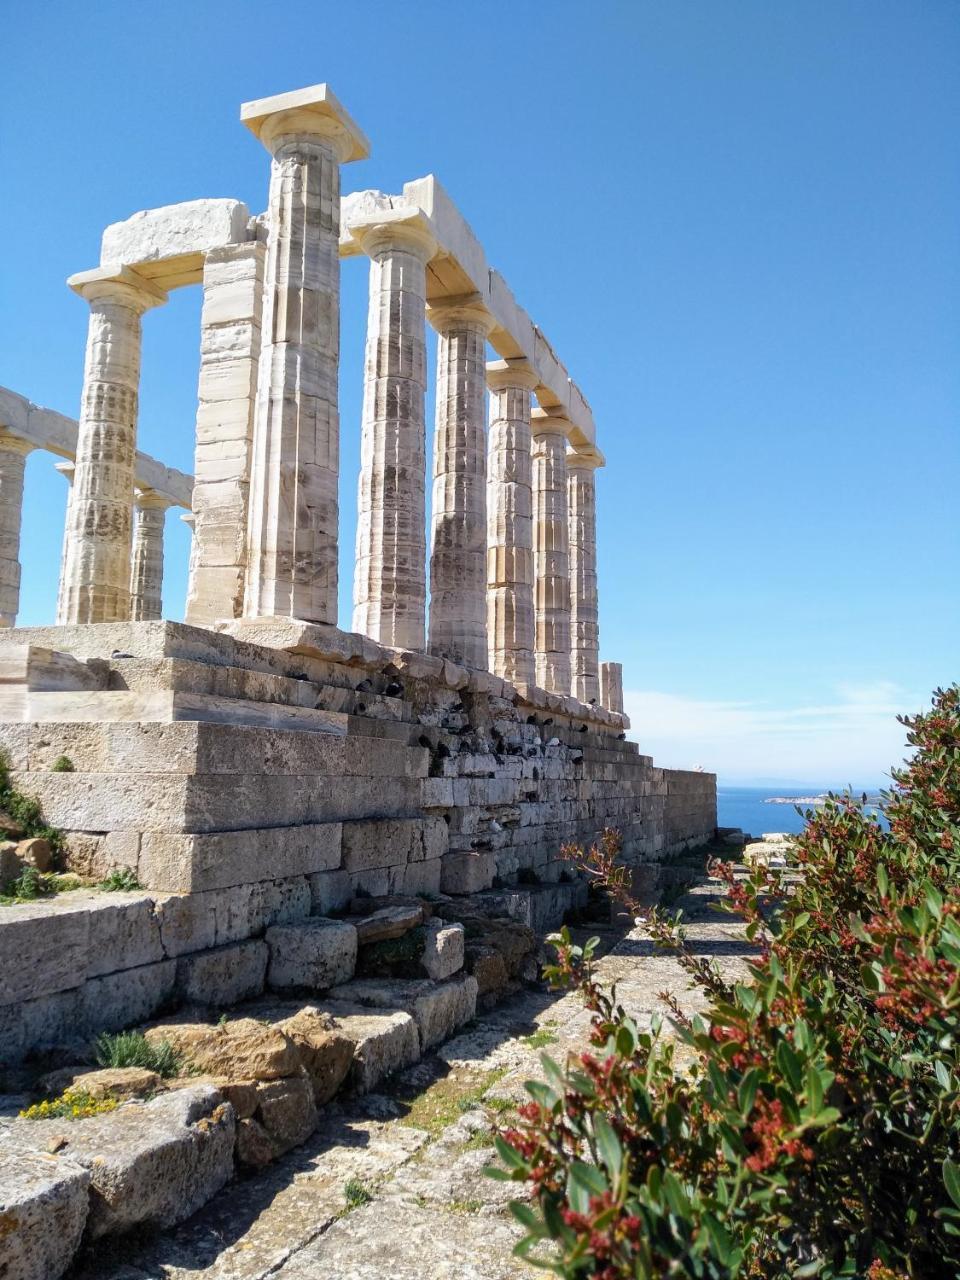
(302, 113)
(189, 518)
(15, 444)
(550, 422)
(462, 311)
(502, 375)
(150, 500)
(404, 229)
(584, 457)
(113, 283)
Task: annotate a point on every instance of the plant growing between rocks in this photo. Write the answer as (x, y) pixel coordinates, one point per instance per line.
(26, 812)
(133, 1049)
(817, 1131)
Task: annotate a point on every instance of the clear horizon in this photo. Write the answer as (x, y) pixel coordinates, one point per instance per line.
(737, 225)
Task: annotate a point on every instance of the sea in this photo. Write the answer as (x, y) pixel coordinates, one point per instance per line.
(759, 809)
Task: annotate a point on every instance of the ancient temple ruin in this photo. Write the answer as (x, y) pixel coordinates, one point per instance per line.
(256, 764)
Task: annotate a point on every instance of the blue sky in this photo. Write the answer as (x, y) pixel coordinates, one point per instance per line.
(738, 223)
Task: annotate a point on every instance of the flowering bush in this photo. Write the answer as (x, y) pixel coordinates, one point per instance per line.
(816, 1132)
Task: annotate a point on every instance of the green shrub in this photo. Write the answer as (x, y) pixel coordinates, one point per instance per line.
(27, 813)
(816, 1132)
(133, 1049)
(29, 885)
(120, 880)
(355, 1193)
(62, 764)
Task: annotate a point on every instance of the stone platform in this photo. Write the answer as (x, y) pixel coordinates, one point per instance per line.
(270, 770)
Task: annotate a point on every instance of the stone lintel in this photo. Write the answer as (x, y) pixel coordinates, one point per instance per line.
(114, 282)
(312, 110)
(169, 244)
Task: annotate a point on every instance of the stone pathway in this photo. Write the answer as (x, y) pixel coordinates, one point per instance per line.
(393, 1185)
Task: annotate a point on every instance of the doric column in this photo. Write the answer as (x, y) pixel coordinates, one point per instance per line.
(611, 686)
(68, 470)
(582, 527)
(146, 574)
(292, 557)
(229, 354)
(511, 630)
(389, 592)
(458, 544)
(551, 551)
(13, 460)
(96, 579)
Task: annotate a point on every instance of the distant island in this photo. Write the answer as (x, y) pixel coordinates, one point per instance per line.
(872, 800)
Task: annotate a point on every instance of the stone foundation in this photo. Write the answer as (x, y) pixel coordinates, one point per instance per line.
(272, 770)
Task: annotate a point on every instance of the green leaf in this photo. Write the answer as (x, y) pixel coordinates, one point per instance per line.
(676, 1196)
(589, 1176)
(553, 1073)
(542, 1093)
(814, 1090)
(934, 901)
(608, 1145)
(747, 1091)
(789, 1064)
(527, 1217)
(626, 1039)
(510, 1157)
(942, 1074)
(883, 881)
(951, 1180)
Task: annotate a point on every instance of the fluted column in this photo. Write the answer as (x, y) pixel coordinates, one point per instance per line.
(146, 575)
(611, 686)
(511, 630)
(582, 527)
(13, 459)
(96, 576)
(389, 592)
(293, 511)
(551, 551)
(68, 470)
(458, 544)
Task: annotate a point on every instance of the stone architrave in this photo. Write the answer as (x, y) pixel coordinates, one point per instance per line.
(230, 326)
(511, 630)
(13, 459)
(611, 686)
(146, 573)
(458, 546)
(96, 573)
(389, 592)
(293, 511)
(551, 551)
(68, 470)
(584, 621)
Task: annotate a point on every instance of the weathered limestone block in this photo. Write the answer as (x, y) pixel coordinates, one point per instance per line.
(119, 1000)
(292, 567)
(168, 244)
(467, 872)
(96, 573)
(392, 842)
(116, 1082)
(437, 1008)
(551, 551)
(387, 923)
(43, 1209)
(326, 1054)
(43, 1023)
(443, 950)
(218, 860)
(611, 686)
(384, 1041)
(390, 576)
(224, 976)
(150, 1164)
(40, 960)
(241, 1049)
(458, 623)
(13, 458)
(582, 524)
(511, 631)
(286, 1116)
(316, 954)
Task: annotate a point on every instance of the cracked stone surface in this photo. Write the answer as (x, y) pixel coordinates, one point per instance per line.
(418, 1149)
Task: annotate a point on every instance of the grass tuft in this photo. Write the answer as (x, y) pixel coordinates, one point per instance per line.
(133, 1049)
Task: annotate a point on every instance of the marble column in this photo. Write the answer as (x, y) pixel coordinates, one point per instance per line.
(230, 330)
(458, 544)
(582, 536)
(389, 590)
(293, 510)
(511, 630)
(68, 470)
(611, 686)
(96, 574)
(13, 460)
(146, 575)
(551, 555)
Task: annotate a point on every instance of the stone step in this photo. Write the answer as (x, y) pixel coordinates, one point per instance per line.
(438, 1008)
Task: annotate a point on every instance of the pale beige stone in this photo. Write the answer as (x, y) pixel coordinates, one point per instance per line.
(146, 571)
(584, 621)
(551, 551)
(13, 457)
(611, 686)
(45, 1203)
(316, 954)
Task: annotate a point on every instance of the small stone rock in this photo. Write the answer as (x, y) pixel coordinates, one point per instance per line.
(390, 922)
(313, 954)
(325, 1054)
(36, 853)
(254, 1144)
(443, 950)
(287, 1111)
(43, 1208)
(10, 829)
(10, 865)
(114, 1082)
(239, 1050)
